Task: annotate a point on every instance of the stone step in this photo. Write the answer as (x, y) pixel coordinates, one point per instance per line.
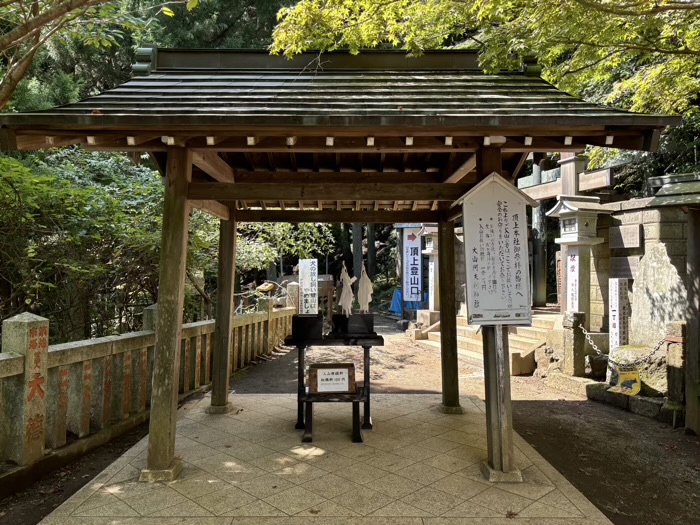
(544, 321)
(532, 332)
(522, 359)
(515, 340)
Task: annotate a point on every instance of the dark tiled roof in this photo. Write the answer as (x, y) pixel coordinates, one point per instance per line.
(228, 88)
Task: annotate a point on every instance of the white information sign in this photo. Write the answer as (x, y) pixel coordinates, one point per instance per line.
(412, 267)
(495, 243)
(333, 380)
(572, 278)
(619, 312)
(432, 291)
(308, 286)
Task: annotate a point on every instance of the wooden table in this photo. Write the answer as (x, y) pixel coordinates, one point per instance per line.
(361, 395)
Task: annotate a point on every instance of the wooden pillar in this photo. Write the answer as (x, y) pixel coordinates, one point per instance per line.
(569, 186)
(161, 464)
(488, 160)
(356, 255)
(448, 316)
(692, 365)
(221, 369)
(371, 252)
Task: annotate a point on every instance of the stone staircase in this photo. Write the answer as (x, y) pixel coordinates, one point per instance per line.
(522, 342)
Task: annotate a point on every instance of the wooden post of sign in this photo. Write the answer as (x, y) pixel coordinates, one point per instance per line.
(500, 464)
(221, 366)
(692, 366)
(161, 464)
(448, 317)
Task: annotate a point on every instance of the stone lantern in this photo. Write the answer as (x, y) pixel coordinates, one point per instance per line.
(578, 218)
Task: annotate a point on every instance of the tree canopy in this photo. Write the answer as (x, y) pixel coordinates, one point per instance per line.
(639, 54)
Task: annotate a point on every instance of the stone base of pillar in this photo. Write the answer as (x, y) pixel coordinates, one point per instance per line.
(496, 476)
(219, 409)
(169, 474)
(451, 410)
(427, 317)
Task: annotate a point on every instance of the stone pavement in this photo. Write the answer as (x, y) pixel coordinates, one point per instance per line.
(417, 467)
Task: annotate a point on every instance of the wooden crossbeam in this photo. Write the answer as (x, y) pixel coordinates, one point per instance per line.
(336, 216)
(293, 177)
(214, 208)
(519, 166)
(317, 191)
(463, 170)
(214, 166)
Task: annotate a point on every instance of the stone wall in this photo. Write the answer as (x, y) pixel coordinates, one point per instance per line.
(658, 293)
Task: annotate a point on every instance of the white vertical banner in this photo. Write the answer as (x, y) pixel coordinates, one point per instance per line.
(412, 267)
(308, 286)
(573, 263)
(619, 312)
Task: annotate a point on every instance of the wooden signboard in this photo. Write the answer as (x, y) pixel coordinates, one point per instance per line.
(624, 267)
(334, 378)
(626, 236)
(495, 244)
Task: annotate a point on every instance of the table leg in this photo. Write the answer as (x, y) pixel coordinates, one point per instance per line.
(300, 389)
(367, 423)
(356, 432)
(308, 436)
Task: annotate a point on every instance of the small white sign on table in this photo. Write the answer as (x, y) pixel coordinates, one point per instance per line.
(495, 244)
(412, 267)
(333, 380)
(308, 286)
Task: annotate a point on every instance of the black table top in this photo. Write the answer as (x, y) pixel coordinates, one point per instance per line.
(339, 340)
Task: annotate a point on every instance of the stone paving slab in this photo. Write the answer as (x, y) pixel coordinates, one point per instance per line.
(417, 467)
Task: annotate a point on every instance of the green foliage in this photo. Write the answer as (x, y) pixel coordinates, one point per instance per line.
(647, 52)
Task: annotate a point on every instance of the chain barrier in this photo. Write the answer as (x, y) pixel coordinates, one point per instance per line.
(614, 366)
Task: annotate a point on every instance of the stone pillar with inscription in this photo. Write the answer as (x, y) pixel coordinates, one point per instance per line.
(578, 216)
(432, 314)
(539, 245)
(22, 433)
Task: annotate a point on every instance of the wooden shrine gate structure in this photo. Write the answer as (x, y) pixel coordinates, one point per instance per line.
(373, 138)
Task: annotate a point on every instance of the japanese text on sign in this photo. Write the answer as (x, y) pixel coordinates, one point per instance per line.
(333, 380)
(412, 266)
(572, 279)
(495, 242)
(308, 286)
(619, 312)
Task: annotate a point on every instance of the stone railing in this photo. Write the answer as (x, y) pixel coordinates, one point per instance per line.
(54, 397)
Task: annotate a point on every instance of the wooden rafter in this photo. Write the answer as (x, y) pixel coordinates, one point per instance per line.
(213, 165)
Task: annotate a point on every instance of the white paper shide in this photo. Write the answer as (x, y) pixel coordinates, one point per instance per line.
(495, 243)
(308, 286)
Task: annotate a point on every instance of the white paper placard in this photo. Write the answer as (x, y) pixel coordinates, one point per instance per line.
(572, 278)
(619, 312)
(412, 267)
(495, 243)
(333, 380)
(308, 286)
